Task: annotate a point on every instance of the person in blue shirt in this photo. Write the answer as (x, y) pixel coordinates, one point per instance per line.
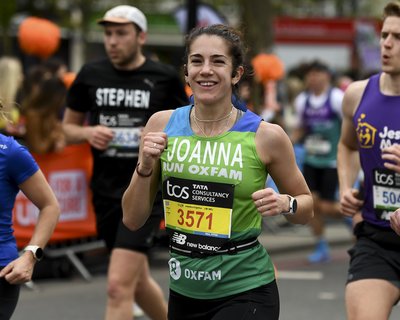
(20, 172)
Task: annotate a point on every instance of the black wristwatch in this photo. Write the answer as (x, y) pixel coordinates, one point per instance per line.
(292, 206)
(37, 251)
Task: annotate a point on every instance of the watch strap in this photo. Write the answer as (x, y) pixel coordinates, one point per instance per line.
(291, 206)
(36, 251)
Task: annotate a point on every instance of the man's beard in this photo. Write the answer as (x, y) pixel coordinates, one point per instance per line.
(125, 61)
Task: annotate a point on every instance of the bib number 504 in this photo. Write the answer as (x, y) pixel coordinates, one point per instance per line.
(390, 197)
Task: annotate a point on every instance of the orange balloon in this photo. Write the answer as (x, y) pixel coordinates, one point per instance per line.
(68, 78)
(188, 90)
(267, 67)
(39, 37)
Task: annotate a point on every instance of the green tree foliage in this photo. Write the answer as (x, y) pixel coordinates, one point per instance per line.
(7, 10)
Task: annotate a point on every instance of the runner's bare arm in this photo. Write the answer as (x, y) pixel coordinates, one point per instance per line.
(138, 198)
(276, 151)
(347, 157)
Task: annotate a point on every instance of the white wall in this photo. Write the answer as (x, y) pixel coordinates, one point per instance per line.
(337, 56)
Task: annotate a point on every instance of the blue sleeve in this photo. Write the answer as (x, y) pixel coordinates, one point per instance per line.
(21, 164)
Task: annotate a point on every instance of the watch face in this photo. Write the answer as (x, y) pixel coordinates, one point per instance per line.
(39, 254)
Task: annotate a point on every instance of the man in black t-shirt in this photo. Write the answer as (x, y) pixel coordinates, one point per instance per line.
(120, 94)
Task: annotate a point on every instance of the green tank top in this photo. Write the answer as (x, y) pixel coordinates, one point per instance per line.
(323, 127)
(207, 187)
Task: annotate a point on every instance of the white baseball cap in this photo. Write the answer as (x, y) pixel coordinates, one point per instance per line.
(125, 14)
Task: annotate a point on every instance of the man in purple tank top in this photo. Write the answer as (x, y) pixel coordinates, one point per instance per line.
(370, 139)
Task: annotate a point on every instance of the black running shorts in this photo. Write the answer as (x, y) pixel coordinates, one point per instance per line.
(116, 234)
(261, 303)
(9, 294)
(373, 256)
(323, 181)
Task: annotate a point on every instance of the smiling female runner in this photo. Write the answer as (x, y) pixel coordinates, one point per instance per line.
(213, 160)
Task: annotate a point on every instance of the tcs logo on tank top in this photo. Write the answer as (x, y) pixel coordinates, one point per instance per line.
(367, 134)
(383, 178)
(177, 191)
(113, 97)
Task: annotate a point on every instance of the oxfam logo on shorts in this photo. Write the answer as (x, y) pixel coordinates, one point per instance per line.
(174, 268)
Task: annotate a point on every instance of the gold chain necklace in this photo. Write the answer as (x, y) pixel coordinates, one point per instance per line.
(212, 131)
(216, 120)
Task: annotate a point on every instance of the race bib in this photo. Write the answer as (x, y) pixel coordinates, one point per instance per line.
(126, 138)
(198, 215)
(386, 191)
(317, 145)
(127, 129)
